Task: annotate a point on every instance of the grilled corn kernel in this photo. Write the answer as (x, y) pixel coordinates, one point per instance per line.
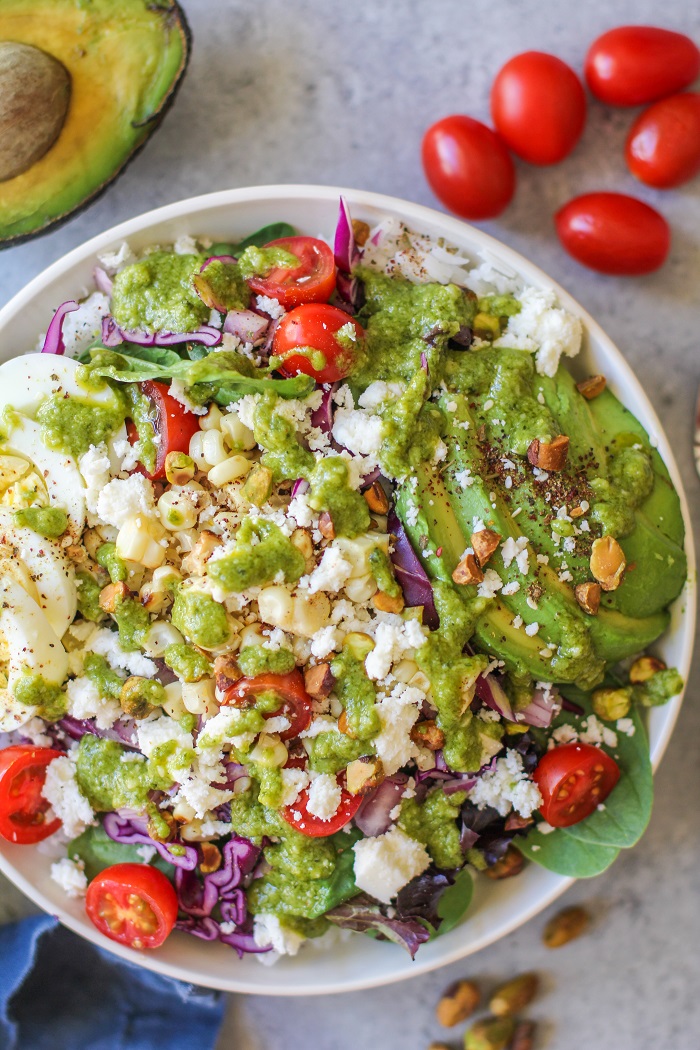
(140, 541)
(160, 635)
(229, 470)
(213, 448)
(269, 751)
(173, 705)
(176, 510)
(198, 697)
(236, 435)
(212, 420)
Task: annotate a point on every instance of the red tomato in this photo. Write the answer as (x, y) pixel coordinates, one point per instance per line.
(173, 424)
(133, 904)
(573, 779)
(613, 233)
(299, 817)
(313, 327)
(295, 702)
(663, 146)
(23, 809)
(632, 65)
(468, 167)
(539, 107)
(312, 281)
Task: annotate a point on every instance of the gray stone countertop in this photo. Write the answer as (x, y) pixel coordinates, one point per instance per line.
(334, 93)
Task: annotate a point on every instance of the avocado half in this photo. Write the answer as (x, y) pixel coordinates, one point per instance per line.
(124, 60)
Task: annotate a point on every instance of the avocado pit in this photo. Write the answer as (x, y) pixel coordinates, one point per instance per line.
(35, 91)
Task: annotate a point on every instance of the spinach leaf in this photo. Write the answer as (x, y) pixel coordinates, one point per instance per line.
(222, 376)
(565, 855)
(274, 232)
(455, 901)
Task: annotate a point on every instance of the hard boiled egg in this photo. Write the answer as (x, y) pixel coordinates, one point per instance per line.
(41, 568)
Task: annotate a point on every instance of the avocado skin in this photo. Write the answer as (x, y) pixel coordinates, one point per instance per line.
(19, 220)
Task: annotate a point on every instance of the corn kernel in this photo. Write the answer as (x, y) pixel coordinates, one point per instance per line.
(236, 435)
(213, 448)
(212, 420)
(229, 470)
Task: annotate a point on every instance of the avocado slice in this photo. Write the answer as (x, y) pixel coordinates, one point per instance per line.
(125, 60)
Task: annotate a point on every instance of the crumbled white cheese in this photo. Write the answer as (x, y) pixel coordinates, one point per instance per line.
(106, 643)
(532, 629)
(117, 259)
(358, 430)
(272, 307)
(398, 713)
(625, 726)
(95, 467)
(293, 783)
(324, 796)
(507, 786)
(516, 550)
(268, 932)
(84, 701)
(331, 573)
(464, 478)
(177, 391)
(490, 585)
(161, 730)
(325, 642)
(70, 876)
(511, 588)
(379, 394)
(392, 641)
(68, 803)
(123, 499)
(385, 863)
(596, 732)
(543, 327)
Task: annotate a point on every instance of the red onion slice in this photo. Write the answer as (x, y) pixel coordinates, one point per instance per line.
(491, 692)
(113, 335)
(543, 707)
(410, 574)
(103, 281)
(373, 816)
(344, 247)
(299, 487)
(53, 341)
(248, 326)
(322, 417)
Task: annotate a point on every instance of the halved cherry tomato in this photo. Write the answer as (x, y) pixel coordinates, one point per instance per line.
(313, 328)
(613, 233)
(468, 167)
(632, 65)
(133, 904)
(312, 281)
(295, 702)
(299, 817)
(173, 423)
(23, 809)
(538, 107)
(663, 146)
(573, 780)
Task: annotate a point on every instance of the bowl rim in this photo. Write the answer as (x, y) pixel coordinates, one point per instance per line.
(418, 217)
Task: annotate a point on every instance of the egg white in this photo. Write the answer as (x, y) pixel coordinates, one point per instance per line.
(31, 645)
(41, 568)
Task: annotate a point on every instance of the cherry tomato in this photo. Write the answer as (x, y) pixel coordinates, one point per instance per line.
(468, 167)
(313, 328)
(133, 904)
(295, 702)
(613, 233)
(23, 809)
(663, 146)
(632, 65)
(173, 423)
(299, 817)
(312, 281)
(538, 107)
(573, 780)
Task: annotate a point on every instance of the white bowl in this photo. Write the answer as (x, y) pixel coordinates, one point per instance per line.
(498, 907)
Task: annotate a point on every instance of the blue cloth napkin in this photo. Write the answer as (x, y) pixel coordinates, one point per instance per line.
(58, 992)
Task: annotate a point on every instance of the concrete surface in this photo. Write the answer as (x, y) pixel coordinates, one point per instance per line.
(307, 91)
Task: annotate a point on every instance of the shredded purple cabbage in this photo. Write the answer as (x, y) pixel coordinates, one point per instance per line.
(131, 831)
(53, 341)
(122, 731)
(374, 815)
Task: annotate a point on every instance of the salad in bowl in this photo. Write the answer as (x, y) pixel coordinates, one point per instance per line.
(328, 590)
